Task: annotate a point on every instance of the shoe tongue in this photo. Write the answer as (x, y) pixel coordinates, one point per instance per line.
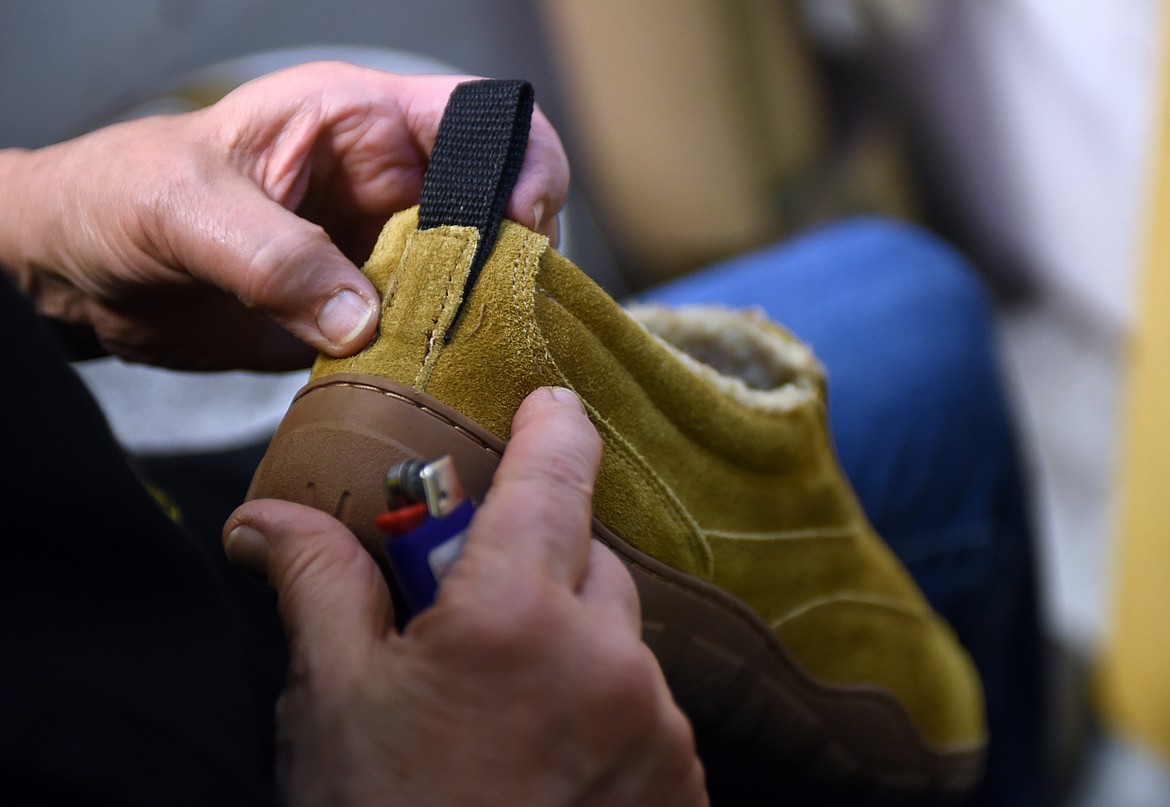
(475, 163)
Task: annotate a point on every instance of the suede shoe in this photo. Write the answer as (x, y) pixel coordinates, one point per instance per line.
(809, 663)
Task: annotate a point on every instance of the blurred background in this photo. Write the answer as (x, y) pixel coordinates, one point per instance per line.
(1028, 132)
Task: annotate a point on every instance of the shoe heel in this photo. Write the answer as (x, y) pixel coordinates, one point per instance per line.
(342, 432)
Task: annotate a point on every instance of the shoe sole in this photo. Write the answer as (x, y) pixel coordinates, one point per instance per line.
(765, 727)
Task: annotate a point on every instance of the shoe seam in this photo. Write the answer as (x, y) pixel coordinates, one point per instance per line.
(624, 450)
(662, 490)
(435, 342)
(835, 533)
(523, 269)
(870, 600)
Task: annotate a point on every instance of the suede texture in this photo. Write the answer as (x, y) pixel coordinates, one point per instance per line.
(748, 498)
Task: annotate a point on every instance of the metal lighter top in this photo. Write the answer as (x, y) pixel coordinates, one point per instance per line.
(431, 482)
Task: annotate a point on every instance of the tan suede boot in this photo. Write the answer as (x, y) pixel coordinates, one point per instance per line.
(810, 665)
(777, 614)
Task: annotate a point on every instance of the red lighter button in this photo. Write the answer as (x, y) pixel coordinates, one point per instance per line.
(402, 520)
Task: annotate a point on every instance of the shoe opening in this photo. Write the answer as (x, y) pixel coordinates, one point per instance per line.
(741, 351)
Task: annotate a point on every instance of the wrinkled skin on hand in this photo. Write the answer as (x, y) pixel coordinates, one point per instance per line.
(525, 683)
(181, 239)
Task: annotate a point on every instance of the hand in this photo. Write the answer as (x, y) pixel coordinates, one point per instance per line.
(525, 683)
(180, 238)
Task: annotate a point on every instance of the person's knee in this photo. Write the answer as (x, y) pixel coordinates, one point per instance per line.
(927, 273)
(916, 384)
(920, 309)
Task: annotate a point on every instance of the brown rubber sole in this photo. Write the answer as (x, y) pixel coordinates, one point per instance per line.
(767, 730)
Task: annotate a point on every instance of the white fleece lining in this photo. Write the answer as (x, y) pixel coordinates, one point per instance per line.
(741, 353)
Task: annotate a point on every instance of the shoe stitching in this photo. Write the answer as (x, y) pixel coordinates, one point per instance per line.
(525, 266)
(524, 271)
(809, 534)
(430, 356)
(872, 600)
(666, 494)
(392, 281)
(422, 408)
(395, 278)
(625, 450)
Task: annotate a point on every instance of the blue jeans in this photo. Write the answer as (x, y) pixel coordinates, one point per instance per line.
(923, 432)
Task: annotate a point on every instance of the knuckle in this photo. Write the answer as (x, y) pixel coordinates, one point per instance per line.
(322, 680)
(265, 281)
(161, 209)
(628, 686)
(679, 737)
(304, 572)
(302, 560)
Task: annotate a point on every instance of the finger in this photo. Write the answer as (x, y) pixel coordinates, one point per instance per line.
(674, 773)
(536, 517)
(177, 336)
(608, 590)
(552, 229)
(332, 596)
(543, 183)
(275, 262)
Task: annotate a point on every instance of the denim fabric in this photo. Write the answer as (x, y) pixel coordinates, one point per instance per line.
(922, 429)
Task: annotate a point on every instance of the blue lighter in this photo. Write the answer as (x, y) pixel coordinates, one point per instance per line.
(425, 526)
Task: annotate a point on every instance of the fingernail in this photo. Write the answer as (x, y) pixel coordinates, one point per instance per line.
(538, 215)
(566, 396)
(554, 235)
(246, 548)
(343, 317)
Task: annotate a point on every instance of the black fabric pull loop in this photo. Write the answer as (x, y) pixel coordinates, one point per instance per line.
(475, 163)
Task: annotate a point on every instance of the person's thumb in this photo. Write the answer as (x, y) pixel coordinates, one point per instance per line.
(332, 596)
(279, 263)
